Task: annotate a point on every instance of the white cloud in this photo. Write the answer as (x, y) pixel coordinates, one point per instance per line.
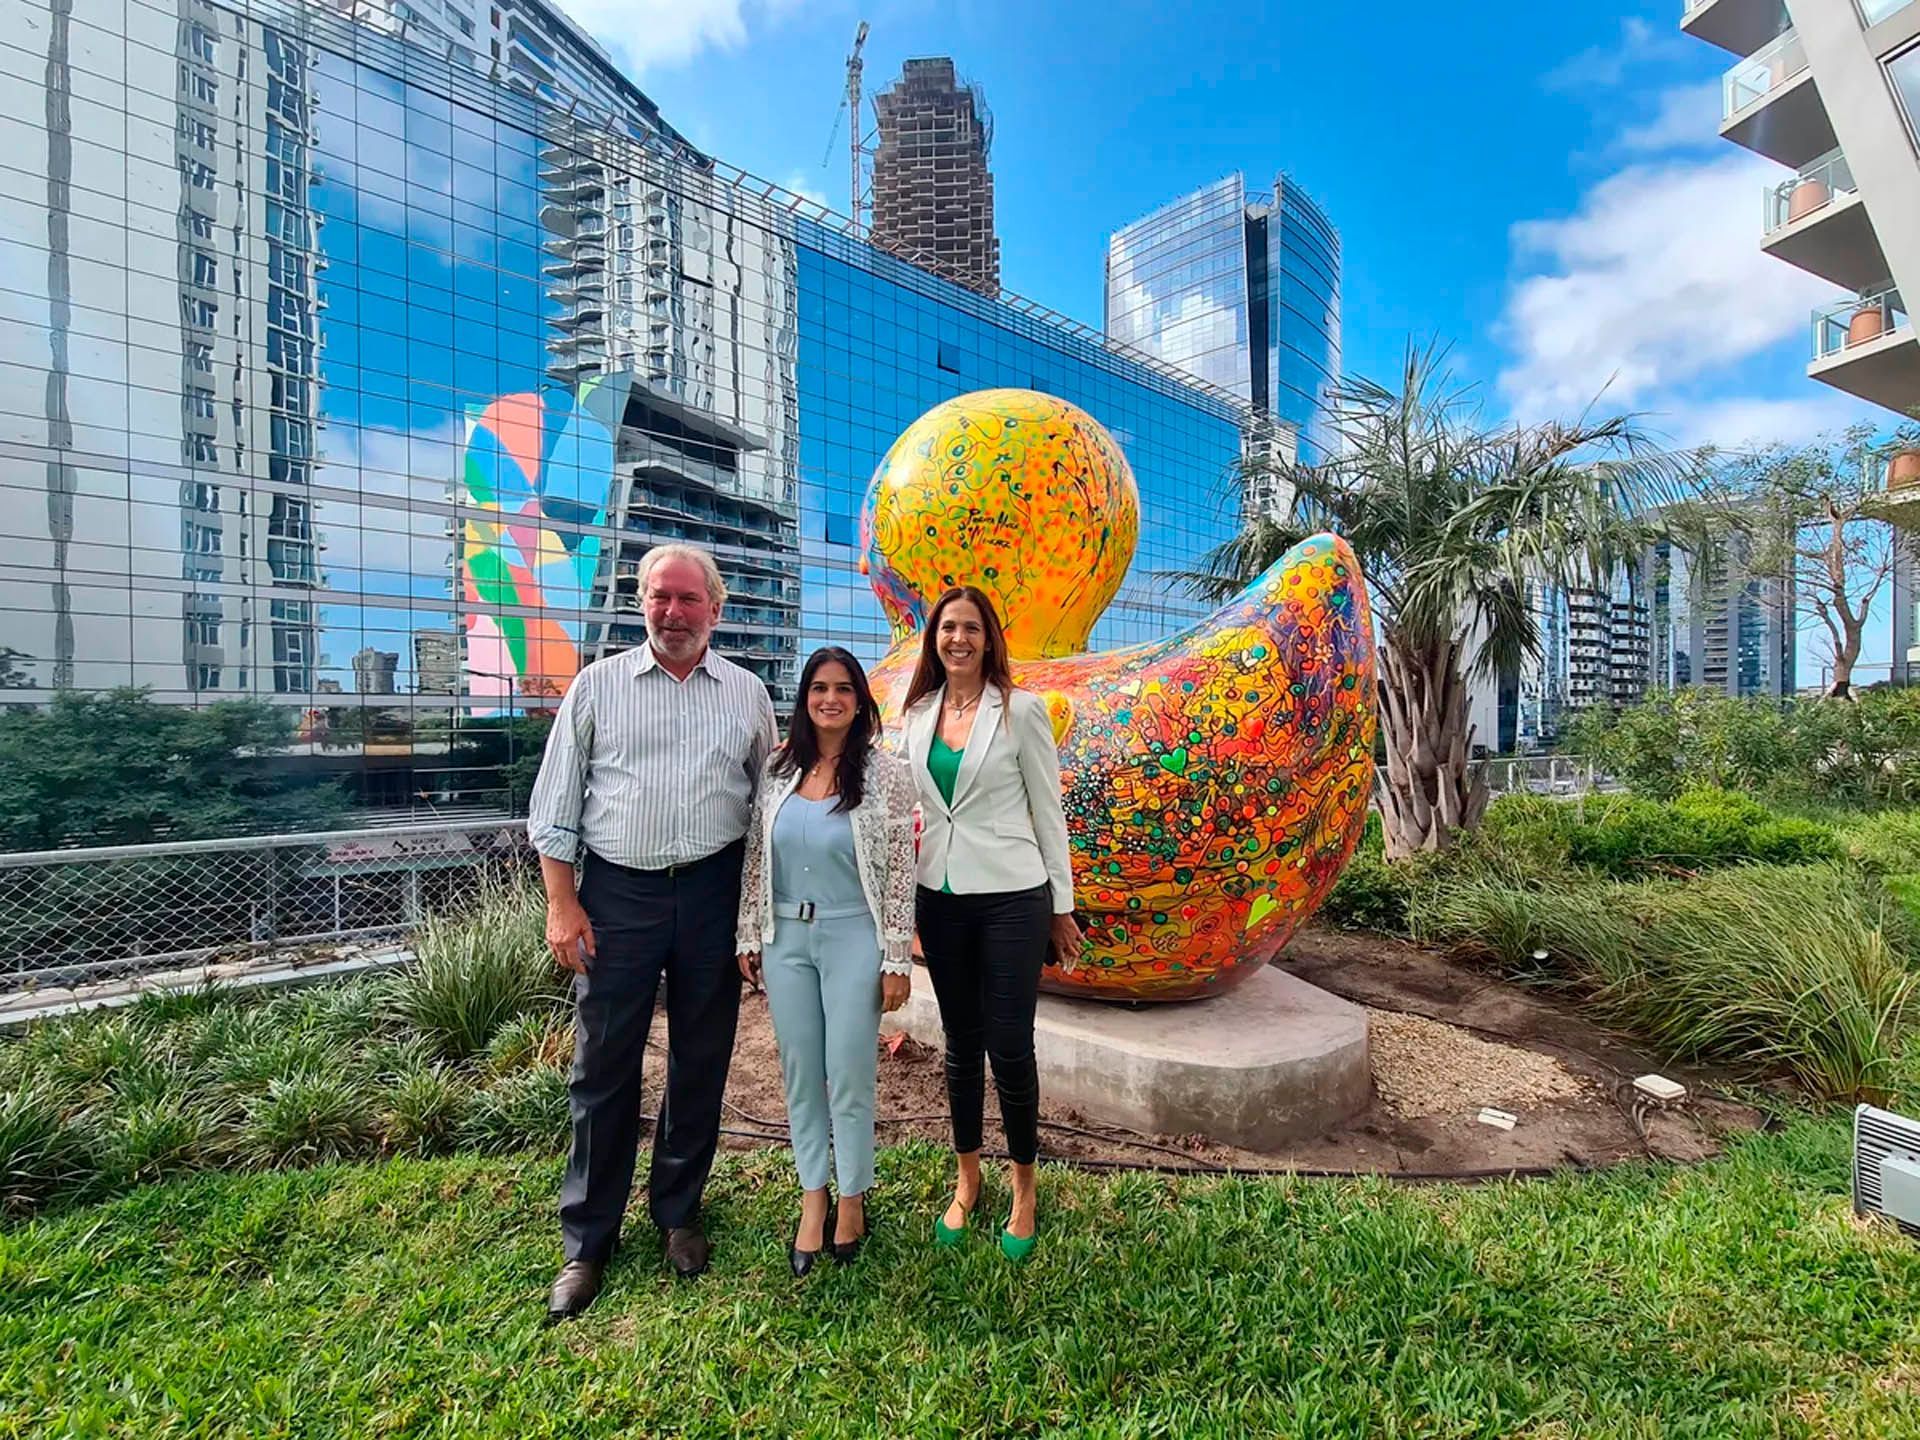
(655, 34)
(1743, 422)
(1657, 281)
(801, 184)
(1605, 66)
(1686, 117)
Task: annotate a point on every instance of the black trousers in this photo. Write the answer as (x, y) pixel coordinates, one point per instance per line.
(649, 924)
(984, 953)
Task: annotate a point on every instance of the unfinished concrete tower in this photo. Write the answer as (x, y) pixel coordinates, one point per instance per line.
(932, 191)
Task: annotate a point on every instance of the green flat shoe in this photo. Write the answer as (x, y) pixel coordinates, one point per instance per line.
(1014, 1248)
(944, 1234)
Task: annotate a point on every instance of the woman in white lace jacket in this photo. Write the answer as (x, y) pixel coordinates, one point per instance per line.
(826, 924)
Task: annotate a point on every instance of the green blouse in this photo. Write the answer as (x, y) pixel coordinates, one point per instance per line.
(943, 764)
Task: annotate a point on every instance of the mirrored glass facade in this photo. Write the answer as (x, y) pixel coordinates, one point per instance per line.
(341, 374)
(882, 342)
(1241, 290)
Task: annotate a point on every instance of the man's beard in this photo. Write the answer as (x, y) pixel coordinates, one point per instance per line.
(677, 644)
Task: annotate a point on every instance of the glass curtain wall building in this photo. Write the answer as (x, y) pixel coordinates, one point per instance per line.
(339, 375)
(882, 342)
(1241, 290)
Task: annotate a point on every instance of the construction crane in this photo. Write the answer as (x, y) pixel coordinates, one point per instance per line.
(850, 102)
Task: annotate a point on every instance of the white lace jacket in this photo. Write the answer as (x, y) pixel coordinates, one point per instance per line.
(882, 849)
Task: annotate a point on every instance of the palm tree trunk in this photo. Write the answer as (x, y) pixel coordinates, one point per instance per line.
(1427, 793)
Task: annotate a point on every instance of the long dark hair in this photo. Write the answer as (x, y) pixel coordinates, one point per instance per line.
(930, 672)
(801, 751)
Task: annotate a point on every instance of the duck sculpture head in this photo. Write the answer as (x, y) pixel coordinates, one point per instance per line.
(1215, 781)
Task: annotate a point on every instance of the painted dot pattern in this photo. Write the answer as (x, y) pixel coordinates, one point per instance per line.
(1021, 494)
(1215, 781)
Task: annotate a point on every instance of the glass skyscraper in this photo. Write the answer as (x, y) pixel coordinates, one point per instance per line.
(1242, 290)
(356, 373)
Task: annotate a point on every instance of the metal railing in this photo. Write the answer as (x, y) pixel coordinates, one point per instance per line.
(1809, 192)
(1762, 73)
(1848, 323)
(73, 916)
(1544, 775)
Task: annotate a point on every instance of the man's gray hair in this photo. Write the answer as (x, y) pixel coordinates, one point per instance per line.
(660, 554)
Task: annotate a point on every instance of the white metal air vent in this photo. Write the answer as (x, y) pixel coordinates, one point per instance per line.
(1886, 1167)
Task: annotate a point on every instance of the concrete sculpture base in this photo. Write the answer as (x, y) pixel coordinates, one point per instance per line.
(1281, 1061)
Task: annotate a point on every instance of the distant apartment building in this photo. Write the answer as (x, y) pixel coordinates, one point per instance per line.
(932, 188)
(1830, 89)
(1670, 621)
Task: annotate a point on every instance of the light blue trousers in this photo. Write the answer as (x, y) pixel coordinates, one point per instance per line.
(823, 987)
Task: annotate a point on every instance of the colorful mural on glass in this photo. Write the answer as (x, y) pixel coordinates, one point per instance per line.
(1216, 781)
(530, 460)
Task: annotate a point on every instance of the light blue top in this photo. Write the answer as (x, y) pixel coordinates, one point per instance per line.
(813, 857)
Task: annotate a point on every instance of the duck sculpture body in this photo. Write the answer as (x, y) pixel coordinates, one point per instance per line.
(1215, 781)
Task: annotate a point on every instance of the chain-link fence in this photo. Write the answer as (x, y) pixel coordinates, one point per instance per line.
(74, 916)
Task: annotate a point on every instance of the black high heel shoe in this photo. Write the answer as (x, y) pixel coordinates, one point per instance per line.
(801, 1261)
(846, 1253)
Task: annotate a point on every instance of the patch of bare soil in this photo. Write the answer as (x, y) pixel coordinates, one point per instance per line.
(1446, 1041)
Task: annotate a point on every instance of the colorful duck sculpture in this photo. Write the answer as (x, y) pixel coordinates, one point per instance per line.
(1216, 781)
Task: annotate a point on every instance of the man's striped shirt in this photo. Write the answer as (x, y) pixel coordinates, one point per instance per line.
(648, 771)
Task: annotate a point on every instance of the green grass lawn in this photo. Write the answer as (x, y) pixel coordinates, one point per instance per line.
(1739, 1298)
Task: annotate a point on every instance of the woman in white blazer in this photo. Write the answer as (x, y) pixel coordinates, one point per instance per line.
(826, 924)
(996, 888)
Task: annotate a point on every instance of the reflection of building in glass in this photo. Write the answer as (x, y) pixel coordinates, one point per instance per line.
(163, 361)
(1543, 684)
(1741, 629)
(373, 671)
(532, 47)
(345, 311)
(882, 342)
(658, 271)
(436, 662)
(1242, 290)
(932, 190)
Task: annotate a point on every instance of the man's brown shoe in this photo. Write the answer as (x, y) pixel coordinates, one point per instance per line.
(687, 1250)
(574, 1289)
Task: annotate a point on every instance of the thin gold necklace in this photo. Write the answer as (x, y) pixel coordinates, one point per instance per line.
(960, 707)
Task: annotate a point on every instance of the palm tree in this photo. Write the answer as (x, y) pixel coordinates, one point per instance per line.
(1454, 523)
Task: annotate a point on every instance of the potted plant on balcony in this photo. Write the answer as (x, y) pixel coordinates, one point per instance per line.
(1903, 468)
(1809, 193)
(1869, 322)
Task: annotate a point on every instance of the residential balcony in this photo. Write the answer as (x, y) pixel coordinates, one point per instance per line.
(1897, 479)
(1771, 106)
(1866, 347)
(1818, 222)
(1742, 26)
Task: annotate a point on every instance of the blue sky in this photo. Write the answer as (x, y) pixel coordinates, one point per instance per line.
(1541, 186)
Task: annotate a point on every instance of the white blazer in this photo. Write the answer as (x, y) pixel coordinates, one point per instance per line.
(1006, 828)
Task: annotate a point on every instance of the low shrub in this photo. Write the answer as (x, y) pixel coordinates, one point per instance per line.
(43, 1147)
(309, 1119)
(153, 1138)
(1370, 894)
(524, 1111)
(1796, 969)
(476, 971)
(1887, 843)
(539, 1037)
(424, 1111)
